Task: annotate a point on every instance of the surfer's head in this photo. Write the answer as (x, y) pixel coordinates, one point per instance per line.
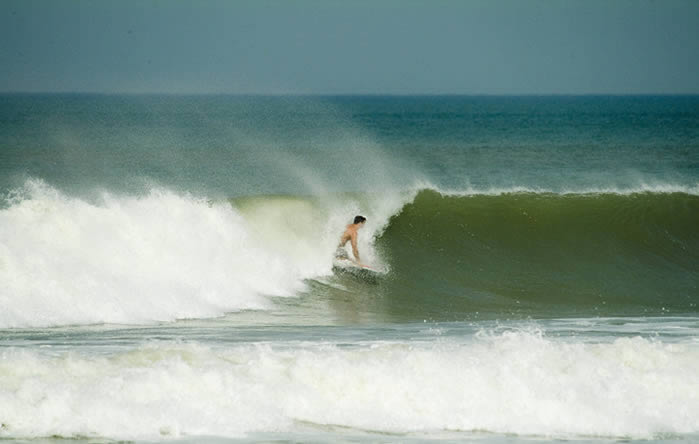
(359, 219)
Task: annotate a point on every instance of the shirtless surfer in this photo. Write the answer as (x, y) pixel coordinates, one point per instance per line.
(350, 235)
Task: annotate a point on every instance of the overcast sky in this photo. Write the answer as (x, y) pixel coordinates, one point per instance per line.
(376, 47)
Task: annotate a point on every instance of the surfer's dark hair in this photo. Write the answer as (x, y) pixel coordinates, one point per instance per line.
(359, 219)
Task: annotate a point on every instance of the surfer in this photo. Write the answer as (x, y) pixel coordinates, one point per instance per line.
(350, 235)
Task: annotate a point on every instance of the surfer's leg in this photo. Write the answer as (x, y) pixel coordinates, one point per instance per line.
(341, 253)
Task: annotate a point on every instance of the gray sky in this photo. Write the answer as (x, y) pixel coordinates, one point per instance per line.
(317, 47)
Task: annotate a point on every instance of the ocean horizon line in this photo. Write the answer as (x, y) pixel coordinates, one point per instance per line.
(338, 94)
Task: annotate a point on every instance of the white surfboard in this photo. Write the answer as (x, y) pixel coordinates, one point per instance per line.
(348, 266)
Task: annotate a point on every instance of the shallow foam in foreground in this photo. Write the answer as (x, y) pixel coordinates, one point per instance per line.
(518, 382)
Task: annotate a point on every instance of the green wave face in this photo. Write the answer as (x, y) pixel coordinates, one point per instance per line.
(533, 254)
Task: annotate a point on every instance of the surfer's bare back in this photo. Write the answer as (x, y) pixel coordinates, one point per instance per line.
(350, 235)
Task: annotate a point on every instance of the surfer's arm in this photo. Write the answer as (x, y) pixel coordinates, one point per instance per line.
(355, 250)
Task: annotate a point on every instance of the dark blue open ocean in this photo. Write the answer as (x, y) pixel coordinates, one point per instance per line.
(166, 268)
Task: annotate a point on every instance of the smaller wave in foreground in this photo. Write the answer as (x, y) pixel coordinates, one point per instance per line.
(516, 382)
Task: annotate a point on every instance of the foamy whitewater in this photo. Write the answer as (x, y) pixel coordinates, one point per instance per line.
(161, 256)
(511, 382)
(166, 269)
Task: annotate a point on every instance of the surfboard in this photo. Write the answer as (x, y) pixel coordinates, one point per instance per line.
(346, 266)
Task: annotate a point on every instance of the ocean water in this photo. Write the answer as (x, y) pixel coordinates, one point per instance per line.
(166, 269)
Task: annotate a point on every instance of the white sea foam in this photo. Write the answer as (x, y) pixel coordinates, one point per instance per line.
(512, 382)
(163, 256)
